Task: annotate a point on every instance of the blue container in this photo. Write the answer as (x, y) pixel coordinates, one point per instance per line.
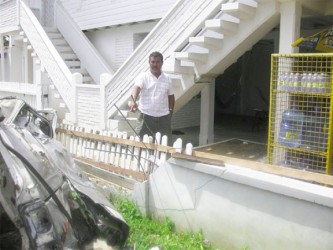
(291, 128)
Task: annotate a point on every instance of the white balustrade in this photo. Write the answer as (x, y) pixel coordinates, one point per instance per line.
(118, 150)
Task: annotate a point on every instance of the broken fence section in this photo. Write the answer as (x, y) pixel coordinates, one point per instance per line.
(116, 151)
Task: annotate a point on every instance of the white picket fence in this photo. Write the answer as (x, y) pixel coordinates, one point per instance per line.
(118, 152)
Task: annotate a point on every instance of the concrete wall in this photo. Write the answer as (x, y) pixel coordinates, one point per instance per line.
(238, 207)
(117, 44)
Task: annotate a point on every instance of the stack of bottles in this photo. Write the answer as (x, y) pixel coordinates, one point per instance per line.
(304, 82)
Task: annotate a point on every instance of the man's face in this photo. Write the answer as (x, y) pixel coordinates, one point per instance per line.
(155, 64)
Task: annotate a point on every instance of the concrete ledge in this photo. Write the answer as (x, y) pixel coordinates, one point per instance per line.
(237, 207)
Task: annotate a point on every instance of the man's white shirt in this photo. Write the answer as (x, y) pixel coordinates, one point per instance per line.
(154, 93)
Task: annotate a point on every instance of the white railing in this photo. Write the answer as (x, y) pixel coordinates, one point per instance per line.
(89, 56)
(116, 152)
(18, 87)
(8, 16)
(169, 35)
(47, 53)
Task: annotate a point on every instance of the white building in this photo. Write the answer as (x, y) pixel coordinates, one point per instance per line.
(80, 57)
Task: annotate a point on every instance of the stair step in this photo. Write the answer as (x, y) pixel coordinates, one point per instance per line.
(205, 41)
(51, 30)
(54, 35)
(223, 26)
(191, 56)
(239, 10)
(62, 49)
(59, 41)
(87, 79)
(69, 56)
(83, 72)
(71, 64)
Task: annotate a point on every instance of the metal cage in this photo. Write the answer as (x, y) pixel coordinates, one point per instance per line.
(300, 116)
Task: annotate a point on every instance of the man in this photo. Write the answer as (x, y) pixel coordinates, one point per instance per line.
(157, 99)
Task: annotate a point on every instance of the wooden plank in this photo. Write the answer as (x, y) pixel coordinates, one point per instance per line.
(220, 160)
(115, 140)
(121, 171)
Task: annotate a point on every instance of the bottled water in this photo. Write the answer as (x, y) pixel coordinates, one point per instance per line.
(296, 82)
(324, 83)
(309, 82)
(283, 81)
(280, 81)
(314, 83)
(291, 126)
(290, 81)
(304, 80)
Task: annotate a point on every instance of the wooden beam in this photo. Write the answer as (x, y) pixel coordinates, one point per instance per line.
(219, 160)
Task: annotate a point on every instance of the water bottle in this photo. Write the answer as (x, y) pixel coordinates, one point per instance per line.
(291, 126)
(324, 83)
(314, 83)
(283, 81)
(290, 82)
(296, 82)
(304, 79)
(280, 81)
(309, 82)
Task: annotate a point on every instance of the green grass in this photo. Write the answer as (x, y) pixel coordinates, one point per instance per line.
(146, 233)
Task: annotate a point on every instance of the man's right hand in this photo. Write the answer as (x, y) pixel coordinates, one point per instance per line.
(133, 106)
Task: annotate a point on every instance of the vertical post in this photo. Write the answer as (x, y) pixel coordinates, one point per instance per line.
(290, 25)
(207, 114)
(76, 79)
(37, 81)
(2, 59)
(104, 80)
(18, 14)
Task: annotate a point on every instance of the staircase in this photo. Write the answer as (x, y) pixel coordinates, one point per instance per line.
(204, 40)
(67, 54)
(198, 38)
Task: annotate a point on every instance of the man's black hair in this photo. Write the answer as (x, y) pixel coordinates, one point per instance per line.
(156, 54)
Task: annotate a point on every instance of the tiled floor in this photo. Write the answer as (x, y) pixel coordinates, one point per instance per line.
(233, 136)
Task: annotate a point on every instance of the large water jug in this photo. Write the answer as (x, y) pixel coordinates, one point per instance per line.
(315, 130)
(291, 126)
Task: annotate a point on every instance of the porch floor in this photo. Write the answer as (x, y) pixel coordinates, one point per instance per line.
(234, 136)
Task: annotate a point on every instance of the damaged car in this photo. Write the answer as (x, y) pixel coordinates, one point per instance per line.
(46, 202)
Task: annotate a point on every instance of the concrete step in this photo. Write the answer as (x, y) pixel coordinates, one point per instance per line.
(55, 35)
(227, 25)
(69, 56)
(83, 72)
(240, 10)
(73, 64)
(51, 29)
(59, 42)
(192, 56)
(64, 49)
(206, 42)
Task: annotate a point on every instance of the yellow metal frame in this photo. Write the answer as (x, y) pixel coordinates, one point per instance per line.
(301, 88)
